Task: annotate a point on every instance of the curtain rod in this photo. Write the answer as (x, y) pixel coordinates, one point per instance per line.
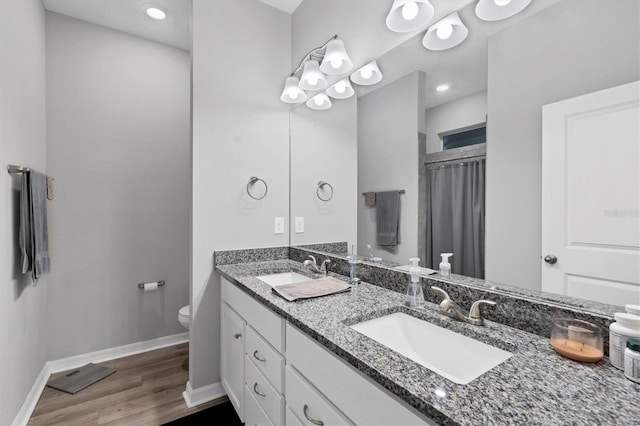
(402, 191)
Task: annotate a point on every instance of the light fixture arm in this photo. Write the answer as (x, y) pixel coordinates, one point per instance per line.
(309, 55)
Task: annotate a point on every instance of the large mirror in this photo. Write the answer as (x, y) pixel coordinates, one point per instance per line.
(483, 202)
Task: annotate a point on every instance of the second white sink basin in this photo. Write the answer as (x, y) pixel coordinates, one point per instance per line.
(275, 280)
(449, 354)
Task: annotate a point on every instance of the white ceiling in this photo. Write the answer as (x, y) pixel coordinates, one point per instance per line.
(129, 16)
(288, 6)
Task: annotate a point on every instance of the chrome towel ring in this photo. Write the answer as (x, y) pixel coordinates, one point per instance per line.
(252, 181)
(321, 186)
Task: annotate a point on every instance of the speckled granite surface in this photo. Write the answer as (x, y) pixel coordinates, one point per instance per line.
(535, 386)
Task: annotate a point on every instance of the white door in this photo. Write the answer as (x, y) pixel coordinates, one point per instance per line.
(591, 196)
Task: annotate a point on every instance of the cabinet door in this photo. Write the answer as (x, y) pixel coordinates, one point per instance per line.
(232, 357)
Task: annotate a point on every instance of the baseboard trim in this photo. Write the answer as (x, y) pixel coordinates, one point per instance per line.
(76, 361)
(203, 394)
(55, 366)
(23, 416)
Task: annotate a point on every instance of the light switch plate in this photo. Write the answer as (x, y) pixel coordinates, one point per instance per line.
(299, 225)
(278, 227)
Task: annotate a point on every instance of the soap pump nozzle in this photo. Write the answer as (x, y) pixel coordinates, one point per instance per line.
(415, 296)
(445, 266)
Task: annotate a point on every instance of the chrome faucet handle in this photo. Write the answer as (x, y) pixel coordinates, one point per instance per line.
(444, 293)
(474, 312)
(324, 267)
(314, 260)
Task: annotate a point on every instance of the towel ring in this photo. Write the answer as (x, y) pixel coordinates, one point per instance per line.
(252, 181)
(321, 185)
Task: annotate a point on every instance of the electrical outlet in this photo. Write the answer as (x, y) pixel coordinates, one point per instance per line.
(278, 227)
(299, 225)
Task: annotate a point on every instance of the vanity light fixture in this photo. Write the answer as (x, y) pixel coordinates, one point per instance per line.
(368, 75)
(155, 13)
(341, 90)
(319, 102)
(409, 15)
(336, 60)
(446, 33)
(312, 78)
(495, 10)
(442, 88)
(292, 93)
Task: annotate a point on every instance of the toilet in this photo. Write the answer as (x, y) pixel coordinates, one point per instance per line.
(184, 316)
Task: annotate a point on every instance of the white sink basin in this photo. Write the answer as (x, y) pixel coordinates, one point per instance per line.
(449, 354)
(275, 280)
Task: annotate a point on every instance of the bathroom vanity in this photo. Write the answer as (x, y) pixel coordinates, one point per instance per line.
(302, 362)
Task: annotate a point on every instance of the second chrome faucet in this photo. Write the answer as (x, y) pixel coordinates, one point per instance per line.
(451, 309)
(313, 265)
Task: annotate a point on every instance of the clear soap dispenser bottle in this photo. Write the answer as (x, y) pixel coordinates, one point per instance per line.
(415, 296)
(445, 266)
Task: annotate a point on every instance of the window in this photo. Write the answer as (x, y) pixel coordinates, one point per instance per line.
(464, 137)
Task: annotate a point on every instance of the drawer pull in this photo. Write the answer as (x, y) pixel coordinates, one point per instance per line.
(255, 389)
(311, 419)
(258, 357)
(237, 335)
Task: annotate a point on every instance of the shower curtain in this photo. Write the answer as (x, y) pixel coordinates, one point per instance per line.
(455, 216)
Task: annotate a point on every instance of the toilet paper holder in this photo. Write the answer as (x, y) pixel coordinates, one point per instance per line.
(160, 284)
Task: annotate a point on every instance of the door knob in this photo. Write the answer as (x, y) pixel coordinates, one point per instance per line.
(551, 259)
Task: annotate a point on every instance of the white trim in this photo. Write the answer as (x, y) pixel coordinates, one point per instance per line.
(23, 416)
(55, 366)
(64, 364)
(203, 394)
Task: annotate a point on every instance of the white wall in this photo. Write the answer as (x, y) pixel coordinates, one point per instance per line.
(388, 125)
(118, 148)
(241, 57)
(454, 115)
(23, 307)
(571, 48)
(324, 147)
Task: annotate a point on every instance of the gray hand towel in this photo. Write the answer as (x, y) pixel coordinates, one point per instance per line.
(388, 218)
(369, 199)
(24, 236)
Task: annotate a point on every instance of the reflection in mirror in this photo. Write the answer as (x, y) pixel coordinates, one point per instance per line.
(501, 76)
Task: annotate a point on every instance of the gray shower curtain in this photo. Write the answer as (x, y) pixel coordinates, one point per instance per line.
(455, 216)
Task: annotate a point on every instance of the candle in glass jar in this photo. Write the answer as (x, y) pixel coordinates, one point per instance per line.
(576, 350)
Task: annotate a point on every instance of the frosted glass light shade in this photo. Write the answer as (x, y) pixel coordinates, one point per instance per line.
(312, 78)
(320, 101)
(341, 90)
(368, 75)
(409, 15)
(495, 10)
(336, 60)
(446, 33)
(292, 93)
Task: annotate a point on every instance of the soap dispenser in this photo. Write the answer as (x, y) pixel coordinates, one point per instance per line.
(415, 296)
(445, 266)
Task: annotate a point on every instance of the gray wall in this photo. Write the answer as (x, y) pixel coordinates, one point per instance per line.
(388, 125)
(22, 141)
(118, 148)
(569, 49)
(324, 147)
(241, 56)
(454, 115)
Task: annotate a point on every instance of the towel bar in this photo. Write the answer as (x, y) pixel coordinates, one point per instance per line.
(13, 169)
(402, 191)
(160, 284)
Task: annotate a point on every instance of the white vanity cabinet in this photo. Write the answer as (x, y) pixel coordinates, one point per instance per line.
(309, 385)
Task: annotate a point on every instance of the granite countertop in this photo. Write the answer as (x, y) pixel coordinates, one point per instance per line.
(534, 386)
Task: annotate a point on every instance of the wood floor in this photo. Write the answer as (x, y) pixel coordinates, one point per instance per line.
(146, 389)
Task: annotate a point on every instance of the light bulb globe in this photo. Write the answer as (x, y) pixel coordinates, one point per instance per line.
(410, 11)
(501, 2)
(444, 31)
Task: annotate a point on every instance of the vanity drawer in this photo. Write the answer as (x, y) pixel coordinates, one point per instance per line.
(351, 391)
(268, 324)
(253, 413)
(290, 419)
(308, 405)
(267, 359)
(267, 397)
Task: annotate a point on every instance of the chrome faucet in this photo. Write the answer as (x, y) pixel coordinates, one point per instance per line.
(451, 309)
(313, 265)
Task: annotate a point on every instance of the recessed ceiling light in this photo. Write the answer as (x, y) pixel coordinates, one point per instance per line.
(155, 13)
(442, 88)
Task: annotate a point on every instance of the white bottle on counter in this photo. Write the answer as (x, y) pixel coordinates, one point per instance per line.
(627, 326)
(445, 266)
